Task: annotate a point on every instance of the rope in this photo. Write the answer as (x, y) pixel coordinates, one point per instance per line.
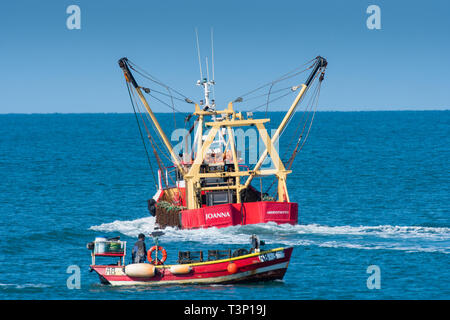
(158, 159)
(268, 96)
(315, 77)
(266, 103)
(142, 138)
(164, 103)
(312, 119)
(167, 95)
(311, 106)
(306, 111)
(154, 145)
(282, 78)
(148, 76)
(152, 78)
(155, 130)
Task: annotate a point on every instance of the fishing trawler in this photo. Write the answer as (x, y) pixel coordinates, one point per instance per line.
(209, 186)
(192, 267)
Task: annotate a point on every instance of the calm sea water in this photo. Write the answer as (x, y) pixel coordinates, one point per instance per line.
(372, 187)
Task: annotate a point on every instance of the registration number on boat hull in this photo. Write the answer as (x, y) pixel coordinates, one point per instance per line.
(269, 256)
(114, 272)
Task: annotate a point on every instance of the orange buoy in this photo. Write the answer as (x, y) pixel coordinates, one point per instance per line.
(156, 260)
(232, 268)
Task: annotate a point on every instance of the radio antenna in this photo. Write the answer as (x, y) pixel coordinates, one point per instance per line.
(207, 69)
(212, 52)
(212, 61)
(206, 83)
(198, 53)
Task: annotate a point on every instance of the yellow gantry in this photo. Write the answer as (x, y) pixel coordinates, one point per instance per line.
(229, 120)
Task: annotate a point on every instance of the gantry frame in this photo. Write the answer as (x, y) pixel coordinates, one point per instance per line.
(229, 120)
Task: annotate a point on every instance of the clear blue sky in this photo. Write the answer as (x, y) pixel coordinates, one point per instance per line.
(48, 68)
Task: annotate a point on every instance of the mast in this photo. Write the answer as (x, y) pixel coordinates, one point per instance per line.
(208, 105)
(206, 82)
(123, 63)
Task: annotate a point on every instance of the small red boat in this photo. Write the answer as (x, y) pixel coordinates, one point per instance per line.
(192, 267)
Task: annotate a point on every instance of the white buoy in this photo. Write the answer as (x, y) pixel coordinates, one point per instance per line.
(180, 269)
(140, 270)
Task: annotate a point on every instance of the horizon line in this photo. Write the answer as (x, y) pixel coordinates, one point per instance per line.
(169, 112)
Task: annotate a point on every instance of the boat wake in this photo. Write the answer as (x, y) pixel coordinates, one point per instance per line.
(16, 286)
(382, 237)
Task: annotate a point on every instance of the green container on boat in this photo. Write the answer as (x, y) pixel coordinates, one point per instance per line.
(115, 247)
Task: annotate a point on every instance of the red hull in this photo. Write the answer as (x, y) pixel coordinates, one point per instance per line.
(232, 214)
(263, 266)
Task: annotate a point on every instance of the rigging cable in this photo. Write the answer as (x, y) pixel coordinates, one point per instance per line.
(268, 96)
(313, 103)
(282, 78)
(312, 119)
(274, 99)
(142, 138)
(306, 111)
(161, 166)
(158, 159)
(297, 149)
(148, 132)
(152, 78)
(289, 121)
(154, 145)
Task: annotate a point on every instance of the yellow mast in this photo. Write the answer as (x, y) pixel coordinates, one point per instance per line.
(277, 133)
(282, 189)
(129, 78)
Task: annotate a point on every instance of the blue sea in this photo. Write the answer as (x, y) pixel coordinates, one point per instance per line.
(373, 190)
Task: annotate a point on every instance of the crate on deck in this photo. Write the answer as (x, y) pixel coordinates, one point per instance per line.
(219, 254)
(190, 256)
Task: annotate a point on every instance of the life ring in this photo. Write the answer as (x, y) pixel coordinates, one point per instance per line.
(156, 261)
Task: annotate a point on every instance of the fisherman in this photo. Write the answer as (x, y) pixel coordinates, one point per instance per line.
(139, 250)
(256, 243)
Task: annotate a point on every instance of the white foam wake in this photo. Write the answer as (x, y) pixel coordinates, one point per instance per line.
(22, 286)
(130, 228)
(382, 231)
(405, 238)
